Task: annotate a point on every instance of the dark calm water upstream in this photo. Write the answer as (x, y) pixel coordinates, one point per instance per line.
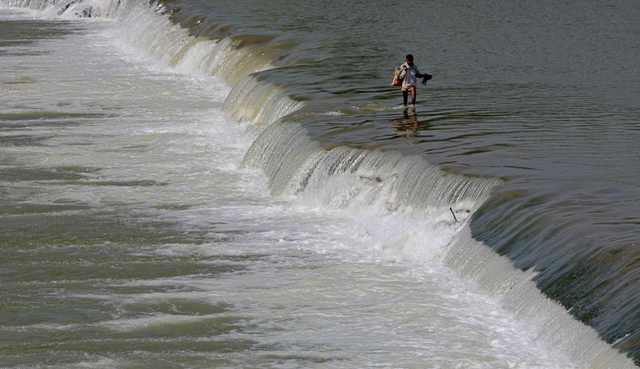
(214, 183)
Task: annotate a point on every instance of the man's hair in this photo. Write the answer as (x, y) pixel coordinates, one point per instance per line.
(409, 57)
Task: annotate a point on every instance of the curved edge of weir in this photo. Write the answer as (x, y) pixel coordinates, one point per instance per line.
(295, 163)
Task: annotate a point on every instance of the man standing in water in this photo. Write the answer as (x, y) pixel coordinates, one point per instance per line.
(409, 74)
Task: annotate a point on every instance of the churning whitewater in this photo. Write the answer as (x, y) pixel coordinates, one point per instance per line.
(165, 207)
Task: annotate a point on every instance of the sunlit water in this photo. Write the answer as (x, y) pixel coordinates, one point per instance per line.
(134, 235)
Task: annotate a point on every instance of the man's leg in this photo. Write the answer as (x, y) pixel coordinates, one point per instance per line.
(412, 91)
(405, 95)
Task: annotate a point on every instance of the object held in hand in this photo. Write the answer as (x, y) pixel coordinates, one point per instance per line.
(397, 81)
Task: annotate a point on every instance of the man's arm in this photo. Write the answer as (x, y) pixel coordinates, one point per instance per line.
(422, 75)
(425, 76)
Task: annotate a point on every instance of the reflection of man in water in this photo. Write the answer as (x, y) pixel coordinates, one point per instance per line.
(408, 124)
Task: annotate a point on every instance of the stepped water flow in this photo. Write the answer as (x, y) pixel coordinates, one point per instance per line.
(387, 185)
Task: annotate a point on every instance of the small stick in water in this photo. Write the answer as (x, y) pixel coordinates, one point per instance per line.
(454, 215)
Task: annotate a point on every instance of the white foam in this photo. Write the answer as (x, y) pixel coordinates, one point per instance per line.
(134, 324)
(394, 236)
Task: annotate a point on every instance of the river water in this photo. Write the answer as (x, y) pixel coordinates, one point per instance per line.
(233, 184)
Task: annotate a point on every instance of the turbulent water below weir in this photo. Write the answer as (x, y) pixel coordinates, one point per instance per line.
(233, 185)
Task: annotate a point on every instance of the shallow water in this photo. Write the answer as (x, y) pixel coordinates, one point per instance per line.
(137, 231)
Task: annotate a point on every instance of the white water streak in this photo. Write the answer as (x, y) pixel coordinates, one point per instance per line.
(345, 177)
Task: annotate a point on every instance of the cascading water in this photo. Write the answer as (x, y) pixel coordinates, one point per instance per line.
(401, 203)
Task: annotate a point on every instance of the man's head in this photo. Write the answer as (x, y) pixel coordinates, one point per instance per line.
(409, 58)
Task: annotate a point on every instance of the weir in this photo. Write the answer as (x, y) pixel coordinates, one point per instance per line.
(344, 177)
(259, 101)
